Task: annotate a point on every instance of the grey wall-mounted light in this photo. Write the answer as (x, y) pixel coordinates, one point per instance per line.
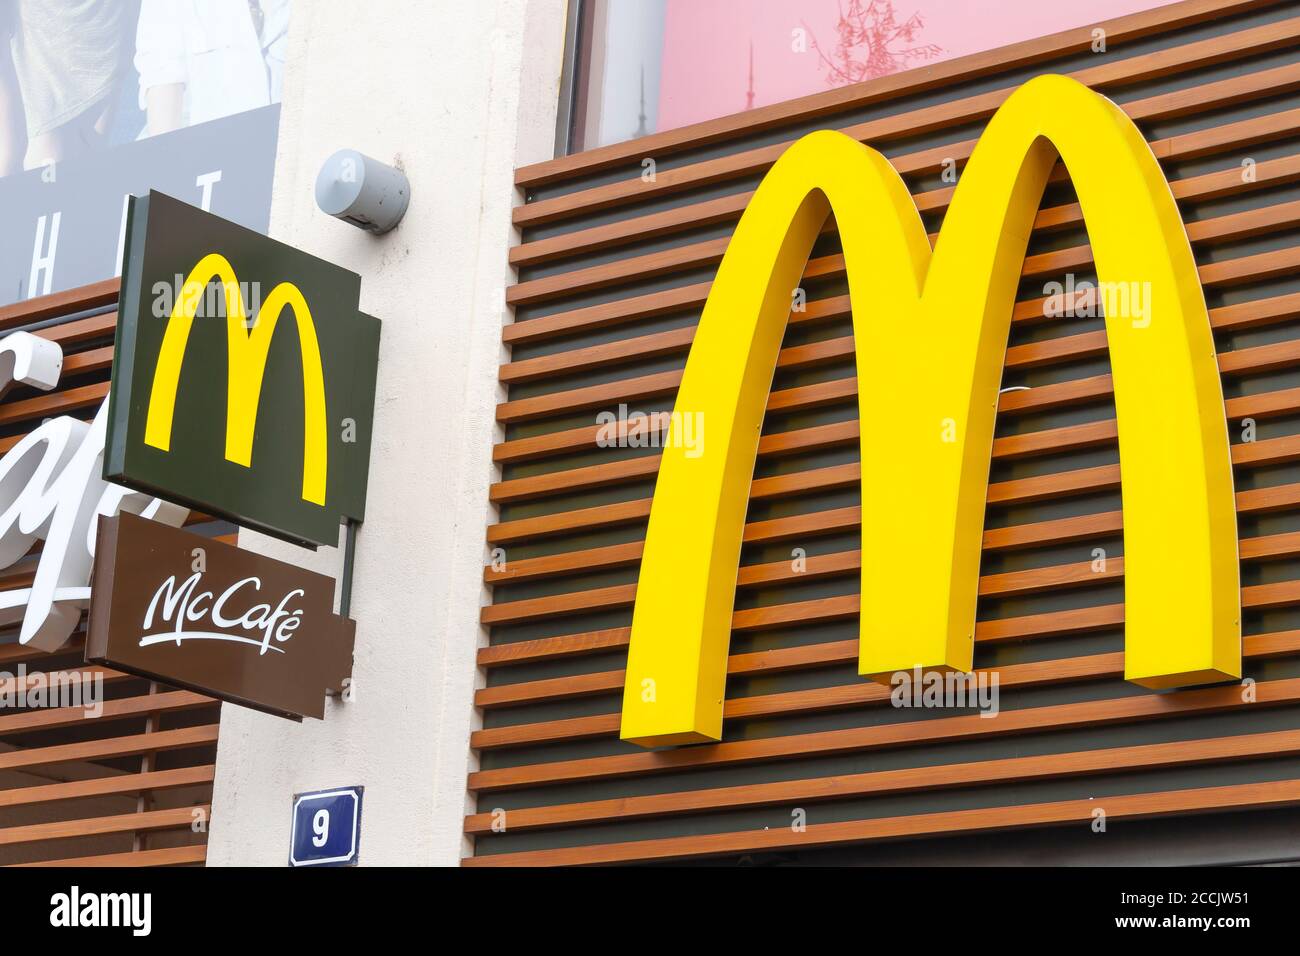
(362, 191)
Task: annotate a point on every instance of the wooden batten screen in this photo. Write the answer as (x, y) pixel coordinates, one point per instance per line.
(613, 268)
(124, 786)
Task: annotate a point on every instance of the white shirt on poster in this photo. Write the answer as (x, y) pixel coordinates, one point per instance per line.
(213, 49)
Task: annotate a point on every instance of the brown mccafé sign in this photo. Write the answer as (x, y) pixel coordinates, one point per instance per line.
(197, 613)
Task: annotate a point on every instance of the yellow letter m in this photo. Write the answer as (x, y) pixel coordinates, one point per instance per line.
(930, 331)
(246, 354)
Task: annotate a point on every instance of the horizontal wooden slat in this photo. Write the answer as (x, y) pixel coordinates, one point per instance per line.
(103, 786)
(70, 678)
(168, 856)
(1229, 272)
(1253, 454)
(94, 826)
(553, 648)
(883, 89)
(77, 331)
(92, 296)
(985, 820)
(60, 402)
(1182, 753)
(14, 653)
(708, 253)
(1055, 531)
(693, 297)
(848, 563)
(110, 710)
(1021, 627)
(29, 757)
(92, 360)
(607, 395)
(1260, 359)
(857, 694)
(1236, 135)
(663, 384)
(1095, 713)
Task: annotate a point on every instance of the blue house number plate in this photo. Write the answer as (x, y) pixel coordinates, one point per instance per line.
(326, 827)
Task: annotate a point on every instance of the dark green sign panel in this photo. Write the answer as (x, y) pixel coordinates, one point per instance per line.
(243, 375)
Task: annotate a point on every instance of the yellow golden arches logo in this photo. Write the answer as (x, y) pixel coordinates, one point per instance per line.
(246, 353)
(931, 330)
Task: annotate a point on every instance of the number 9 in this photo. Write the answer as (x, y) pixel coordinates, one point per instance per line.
(320, 825)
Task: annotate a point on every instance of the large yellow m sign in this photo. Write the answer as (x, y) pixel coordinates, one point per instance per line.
(931, 331)
(246, 354)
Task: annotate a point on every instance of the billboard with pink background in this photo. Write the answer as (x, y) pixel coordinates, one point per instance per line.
(724, 56)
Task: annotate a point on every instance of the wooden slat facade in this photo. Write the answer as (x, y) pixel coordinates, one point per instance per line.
(613, 270)
(126, 787)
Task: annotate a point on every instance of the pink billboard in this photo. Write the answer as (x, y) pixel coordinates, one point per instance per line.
(723, 56)
(660, 64)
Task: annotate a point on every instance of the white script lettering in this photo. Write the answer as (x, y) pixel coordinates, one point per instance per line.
(52, 489)
(184, 603)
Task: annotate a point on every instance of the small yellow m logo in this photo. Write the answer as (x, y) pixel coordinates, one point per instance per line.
(246, 353)
(931, 332)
